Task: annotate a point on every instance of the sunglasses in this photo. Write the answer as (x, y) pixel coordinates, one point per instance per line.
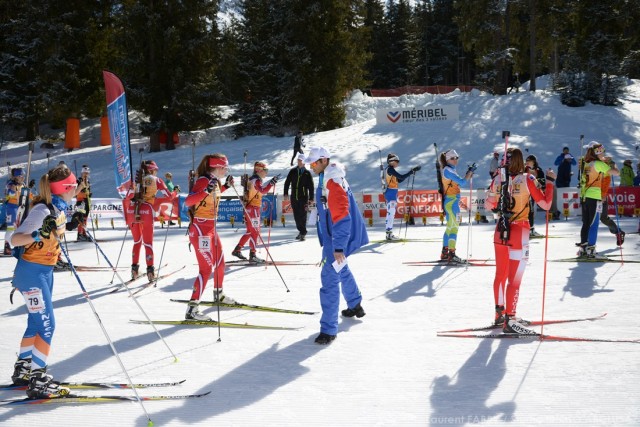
(263, 169)
(454, 158)
(599, 150)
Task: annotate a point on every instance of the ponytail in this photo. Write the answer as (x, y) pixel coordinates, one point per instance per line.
(443, 159)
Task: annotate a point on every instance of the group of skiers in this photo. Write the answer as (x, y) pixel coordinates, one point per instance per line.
(517, 185)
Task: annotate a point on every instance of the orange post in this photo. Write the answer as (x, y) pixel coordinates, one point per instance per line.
(105, 139)
(72, 135)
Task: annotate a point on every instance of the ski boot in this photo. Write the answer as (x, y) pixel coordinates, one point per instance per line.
(391, 237)
(21, 372)
(61, 265)
(620, 237)
(253, 258)
(41, 385)
(135, 271)
(237, 252)
(499, 319)
(454, 259)
(219, 296)
(7, 248)
(83, 237)
(193, 312)
(444, 255)
(533, 234)
(512, 325)
(151, 273)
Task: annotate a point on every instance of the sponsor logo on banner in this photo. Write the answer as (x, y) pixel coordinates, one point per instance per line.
(437, 113)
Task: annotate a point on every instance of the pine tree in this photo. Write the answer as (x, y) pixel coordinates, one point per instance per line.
(170, 64)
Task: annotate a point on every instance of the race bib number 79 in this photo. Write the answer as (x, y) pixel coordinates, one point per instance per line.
(33, 299)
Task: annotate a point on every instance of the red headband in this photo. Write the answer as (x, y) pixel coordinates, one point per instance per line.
(216, 162)
(63, 186)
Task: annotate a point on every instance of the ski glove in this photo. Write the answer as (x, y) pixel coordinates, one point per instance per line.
(274, 180)
(76, 219)
(416, 169)
(213, 182)
(48, 225)
(229, 181)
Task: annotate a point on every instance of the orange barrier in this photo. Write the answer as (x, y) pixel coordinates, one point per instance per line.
(72, 135)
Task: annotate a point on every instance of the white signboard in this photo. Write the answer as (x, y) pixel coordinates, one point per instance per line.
(417, 115)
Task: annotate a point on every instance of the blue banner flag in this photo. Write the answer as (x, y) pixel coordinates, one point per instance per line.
(117, 114)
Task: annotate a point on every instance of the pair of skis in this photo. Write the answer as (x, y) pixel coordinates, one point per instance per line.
(474, 332)
(76, 398)
(149, 283)
(465, 263)
(236, 305)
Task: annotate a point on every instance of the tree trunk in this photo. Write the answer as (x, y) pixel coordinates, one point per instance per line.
(532, 45)
(170, 145)
(154, 142)
(33, 129)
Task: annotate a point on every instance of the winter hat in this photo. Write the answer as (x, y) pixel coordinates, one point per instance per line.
(628, 162)
(300, 156)
(392, 158)
(260, 165)
(151, 165)
(15, 172)
(217, 162)
(85, 169)
(450, 154)
(317, 153)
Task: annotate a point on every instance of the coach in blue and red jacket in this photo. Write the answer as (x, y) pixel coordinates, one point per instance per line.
(341, 231)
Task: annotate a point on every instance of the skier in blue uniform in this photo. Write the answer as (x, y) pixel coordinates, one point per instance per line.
(392, 179)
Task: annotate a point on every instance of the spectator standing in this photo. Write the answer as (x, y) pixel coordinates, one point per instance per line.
(564, 162)
(626, 174)
(301, 182)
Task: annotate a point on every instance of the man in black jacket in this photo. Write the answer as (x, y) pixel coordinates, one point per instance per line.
(301, 190)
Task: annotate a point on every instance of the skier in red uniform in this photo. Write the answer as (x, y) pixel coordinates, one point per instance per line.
(253, 203)
(203, 202)
(511, 238)
(140, 216)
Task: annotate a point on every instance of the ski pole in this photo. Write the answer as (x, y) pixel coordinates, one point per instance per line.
(469, 219)
(215, 266)
(261, 240)
(544, 270)
(270, 224)
(124, 238)
(615, 206)
(408, 211)
(104, 331)
(122, 282)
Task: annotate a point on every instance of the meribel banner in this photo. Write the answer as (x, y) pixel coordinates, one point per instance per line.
(417, 115)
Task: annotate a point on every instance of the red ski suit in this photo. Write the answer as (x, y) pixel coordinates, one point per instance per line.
(142, 228)
(203, 236)
(252, 211)
(512, 256)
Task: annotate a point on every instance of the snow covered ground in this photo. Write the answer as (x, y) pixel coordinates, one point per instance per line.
(388, 368)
